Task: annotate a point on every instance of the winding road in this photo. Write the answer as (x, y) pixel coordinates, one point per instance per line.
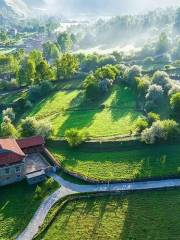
(68, 188)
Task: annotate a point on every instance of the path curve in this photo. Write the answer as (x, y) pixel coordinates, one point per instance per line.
(68, 188)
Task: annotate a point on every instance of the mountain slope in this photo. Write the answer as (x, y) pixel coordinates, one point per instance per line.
(14, 7)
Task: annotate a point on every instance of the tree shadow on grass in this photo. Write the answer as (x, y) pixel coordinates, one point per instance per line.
(123, 104)
(81, 113)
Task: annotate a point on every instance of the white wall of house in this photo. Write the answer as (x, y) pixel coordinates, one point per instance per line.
(12, 173)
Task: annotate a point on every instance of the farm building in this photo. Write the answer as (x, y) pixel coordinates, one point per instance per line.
(24, 159)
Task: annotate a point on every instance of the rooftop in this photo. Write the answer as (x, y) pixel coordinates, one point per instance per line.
(10, 145)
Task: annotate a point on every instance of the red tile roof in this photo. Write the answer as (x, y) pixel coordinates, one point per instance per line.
(9, 159)
(11, 145)
(31, 142)
(11, 150)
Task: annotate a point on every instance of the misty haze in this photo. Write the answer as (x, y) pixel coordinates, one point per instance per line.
(89, 120)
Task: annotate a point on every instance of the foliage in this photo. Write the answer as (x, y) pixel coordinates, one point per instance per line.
(152, 117)
(7, 128)
(175, 104)
(67, 66)
(91, 86)
(154, 95)
(133, 73)
(75, 137)
(141, 124)
(44, 129)
(163, 44)
(39, 91)
(43, 72)
(160, 130)
(162, 79)
(51, 51)
(9, 112)
(65, 42)
(28, 127)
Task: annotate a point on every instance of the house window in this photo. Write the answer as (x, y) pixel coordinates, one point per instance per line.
(7, 171)
(18, 169)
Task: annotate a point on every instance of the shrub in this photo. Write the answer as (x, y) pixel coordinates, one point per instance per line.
(133, 73)
(152, 117)
(155, 94)
(44, 129)
(38, 192)
(175, 104)
(28, 127)
(7, 128)
(141, 124)
(9, 112)
(91, 86)
(162, 79)
(160, 131)
(75, 137)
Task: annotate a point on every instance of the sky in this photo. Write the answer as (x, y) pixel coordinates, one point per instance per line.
(106, 7)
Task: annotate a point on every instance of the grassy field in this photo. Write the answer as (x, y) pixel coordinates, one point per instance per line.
(134, 164)
(10, 97)
(17, 206)
(150, 215)
(68, 109)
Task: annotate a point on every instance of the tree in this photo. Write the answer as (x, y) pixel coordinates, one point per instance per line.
(107, 72)
(91, 86)
(162, 79)
(9, 112)
(163, 44)
(30, 71)
(160, 131)
(26, 73)
(152, 117)
(67, 66)
(28, 127)
(141, 124)
(36, 56)
(8, 129)
(142, 85)
(75, 137)
(133, 73)
(65, 42)
(43, 72)
(51, 51)
(175, 104)
(155, 94)
(44, 129)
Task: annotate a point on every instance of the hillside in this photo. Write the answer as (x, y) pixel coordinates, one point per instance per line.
(14, 8)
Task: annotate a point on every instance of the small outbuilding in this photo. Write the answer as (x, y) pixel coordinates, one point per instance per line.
(36, 177)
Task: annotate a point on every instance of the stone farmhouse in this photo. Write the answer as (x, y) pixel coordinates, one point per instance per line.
(24, 159)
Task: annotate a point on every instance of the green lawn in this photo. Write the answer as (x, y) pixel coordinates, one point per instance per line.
(68, 109)
(132, 164)
(152, 215)
(17, 206)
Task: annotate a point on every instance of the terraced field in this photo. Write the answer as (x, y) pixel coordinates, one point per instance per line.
(148, 162)
(67, 109)
(142, 215)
